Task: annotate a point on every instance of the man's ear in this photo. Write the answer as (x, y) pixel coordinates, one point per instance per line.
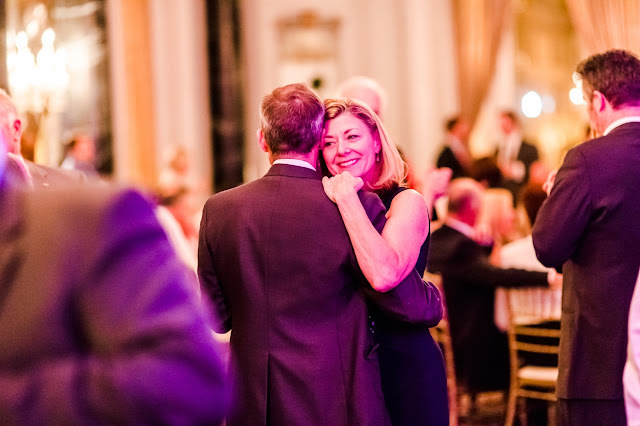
(261, 141)
(599, 101)
(17, 134)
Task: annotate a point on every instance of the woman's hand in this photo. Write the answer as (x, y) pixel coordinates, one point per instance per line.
(341, 185)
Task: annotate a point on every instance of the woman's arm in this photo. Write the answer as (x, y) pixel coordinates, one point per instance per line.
(384, 259)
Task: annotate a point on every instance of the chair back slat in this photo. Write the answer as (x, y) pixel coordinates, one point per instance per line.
(442, 335)
(530, 341)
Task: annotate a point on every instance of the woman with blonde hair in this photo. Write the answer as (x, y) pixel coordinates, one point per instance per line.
(497, 215)
(358, 153)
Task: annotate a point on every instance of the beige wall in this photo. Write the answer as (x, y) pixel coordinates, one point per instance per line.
(160, 94)
(404, 44)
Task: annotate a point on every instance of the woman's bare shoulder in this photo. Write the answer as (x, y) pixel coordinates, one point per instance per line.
(408, 199)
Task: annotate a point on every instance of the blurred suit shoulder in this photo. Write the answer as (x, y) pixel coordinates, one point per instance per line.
(45, 176)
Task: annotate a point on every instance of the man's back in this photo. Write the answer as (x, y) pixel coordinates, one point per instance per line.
(276, 259)
(469, 282)
(592, 221)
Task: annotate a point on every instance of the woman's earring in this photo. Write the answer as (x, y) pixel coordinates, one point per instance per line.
(377, 157)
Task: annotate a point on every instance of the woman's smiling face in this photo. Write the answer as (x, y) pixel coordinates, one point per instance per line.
(349, 145)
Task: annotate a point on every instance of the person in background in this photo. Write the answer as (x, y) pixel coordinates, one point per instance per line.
(174, 176)
(590, 227)
(174, 214)
(97, 321)
(30, 174)
(514, 155)
(455, 152)
(469, 281)
(367, 90)
(275, 258)
(182, 205)
(521, 254)
(496, 220)
(80, 155)
(357, 152)
(486, 171)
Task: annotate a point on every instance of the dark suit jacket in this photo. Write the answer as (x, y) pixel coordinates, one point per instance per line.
(97, 322)
(591, 223)
(469, 283)
(528, 154)
(448, 159)
(276, 259)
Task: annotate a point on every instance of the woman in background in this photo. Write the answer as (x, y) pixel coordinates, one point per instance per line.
(357, 152)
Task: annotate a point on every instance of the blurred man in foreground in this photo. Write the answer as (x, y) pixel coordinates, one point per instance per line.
(97, 323)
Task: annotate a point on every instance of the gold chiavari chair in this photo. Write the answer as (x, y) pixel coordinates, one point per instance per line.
(442, 336)
(528, 344)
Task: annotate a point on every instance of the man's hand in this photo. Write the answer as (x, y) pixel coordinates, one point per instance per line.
(551, 179)
(554, 279)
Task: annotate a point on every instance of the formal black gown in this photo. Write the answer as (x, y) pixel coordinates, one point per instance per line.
(414, 380)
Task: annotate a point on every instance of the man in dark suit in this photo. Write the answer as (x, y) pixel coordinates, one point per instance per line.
(98, 324)
(590, 225)
(275, 258)
(34, 175)
(455, 153)
(514, 155)
(469, 281)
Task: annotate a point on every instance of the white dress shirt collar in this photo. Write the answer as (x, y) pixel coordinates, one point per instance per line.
(463, 228)
(456, 145)
(510, 147)
(294, 162)
(620, 122)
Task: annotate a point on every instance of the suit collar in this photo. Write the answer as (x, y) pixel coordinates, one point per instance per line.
(294, 162)
(36, 169)
(12, 199)
(623, 123)
(459, 226)
(11, 206)
(39, 174)
(293, 171)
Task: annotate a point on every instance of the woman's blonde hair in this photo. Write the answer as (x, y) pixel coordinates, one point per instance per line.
(496, 208)
(392, 170)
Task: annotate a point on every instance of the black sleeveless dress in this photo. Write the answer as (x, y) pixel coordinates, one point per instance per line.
(414, 380)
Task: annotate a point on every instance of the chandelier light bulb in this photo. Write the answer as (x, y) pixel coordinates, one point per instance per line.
(575, 95)
(531, 104)
(48, 37)
(21, 40)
